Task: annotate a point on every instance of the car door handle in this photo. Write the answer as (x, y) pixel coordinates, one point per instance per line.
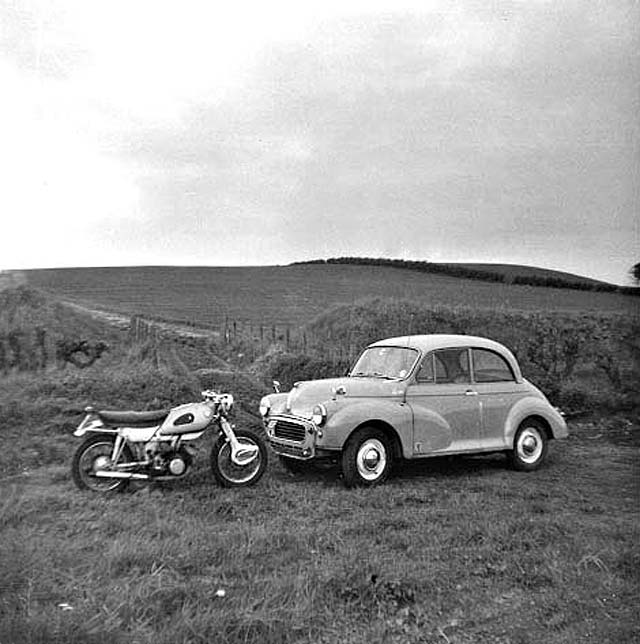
(470, 392)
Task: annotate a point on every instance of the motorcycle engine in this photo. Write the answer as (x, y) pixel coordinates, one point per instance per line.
(165, 460)
(177, 465)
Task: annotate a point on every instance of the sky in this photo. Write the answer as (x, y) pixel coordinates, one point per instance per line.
(253, 133)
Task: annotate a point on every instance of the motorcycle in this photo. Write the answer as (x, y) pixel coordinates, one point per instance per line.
(124, 446)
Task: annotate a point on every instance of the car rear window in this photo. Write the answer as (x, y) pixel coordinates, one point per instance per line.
(488, 366)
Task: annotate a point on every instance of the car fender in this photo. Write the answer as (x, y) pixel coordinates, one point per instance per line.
(345, 418)
(277, 402)
(534, 406)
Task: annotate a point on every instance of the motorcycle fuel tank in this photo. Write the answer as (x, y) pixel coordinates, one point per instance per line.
(186, 419)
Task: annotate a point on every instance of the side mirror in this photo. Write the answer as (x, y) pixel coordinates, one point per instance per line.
(276, 386)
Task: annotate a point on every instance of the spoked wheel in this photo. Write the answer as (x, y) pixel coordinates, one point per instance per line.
(230, 474)
(529, 446)
(94, 454)
(367, 458)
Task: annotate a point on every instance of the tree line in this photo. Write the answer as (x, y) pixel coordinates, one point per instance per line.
(455, 270)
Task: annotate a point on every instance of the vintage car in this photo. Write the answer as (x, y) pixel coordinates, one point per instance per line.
(414, 397)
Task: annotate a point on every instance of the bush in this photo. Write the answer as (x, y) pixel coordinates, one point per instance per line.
(552, 348)
(288, 368)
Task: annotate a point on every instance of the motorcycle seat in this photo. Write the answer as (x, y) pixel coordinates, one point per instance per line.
(133, 418)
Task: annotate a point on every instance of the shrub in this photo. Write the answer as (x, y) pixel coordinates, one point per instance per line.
(552, 348)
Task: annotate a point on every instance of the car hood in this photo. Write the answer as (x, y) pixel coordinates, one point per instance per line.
(305, 395)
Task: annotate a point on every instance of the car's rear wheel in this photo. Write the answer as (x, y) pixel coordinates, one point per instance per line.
(367, 458)
(529, 446)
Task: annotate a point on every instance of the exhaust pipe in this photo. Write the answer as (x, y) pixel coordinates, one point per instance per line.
(121, 475)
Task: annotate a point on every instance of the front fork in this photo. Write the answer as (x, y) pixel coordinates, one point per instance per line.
(240, 454)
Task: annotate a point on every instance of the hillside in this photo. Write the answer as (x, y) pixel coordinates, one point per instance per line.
(27, 309)
(296, 294)
(458, 550)
(448, 550)
(512, 270)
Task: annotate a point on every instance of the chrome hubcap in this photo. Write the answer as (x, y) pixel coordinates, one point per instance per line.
(371, 459)
(529, 445)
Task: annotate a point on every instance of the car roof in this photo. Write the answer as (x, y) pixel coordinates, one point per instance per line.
(440, 341)
(431, 342)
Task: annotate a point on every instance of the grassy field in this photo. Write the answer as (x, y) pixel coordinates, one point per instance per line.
(457, 551)
(448, 551)
(294, 295)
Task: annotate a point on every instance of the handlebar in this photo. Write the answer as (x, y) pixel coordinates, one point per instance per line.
(224, 400)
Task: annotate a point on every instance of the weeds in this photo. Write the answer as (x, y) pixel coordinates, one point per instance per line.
(458, 550)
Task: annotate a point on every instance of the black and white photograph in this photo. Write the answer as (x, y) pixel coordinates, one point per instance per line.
(319, 322)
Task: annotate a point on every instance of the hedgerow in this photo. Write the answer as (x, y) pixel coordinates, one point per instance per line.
(598, 355)
(456, 270)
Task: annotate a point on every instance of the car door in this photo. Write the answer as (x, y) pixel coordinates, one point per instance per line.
(498, 391)
(446, 412)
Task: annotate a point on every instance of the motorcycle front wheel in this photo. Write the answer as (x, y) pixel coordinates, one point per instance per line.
(228, 473)
(94, 454)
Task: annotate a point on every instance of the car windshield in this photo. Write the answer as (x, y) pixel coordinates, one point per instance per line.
(392, 363)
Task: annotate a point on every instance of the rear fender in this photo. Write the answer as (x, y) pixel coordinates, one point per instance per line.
(536, 407)
(92, 423)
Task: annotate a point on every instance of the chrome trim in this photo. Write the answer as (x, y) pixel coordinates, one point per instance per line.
(304, 449)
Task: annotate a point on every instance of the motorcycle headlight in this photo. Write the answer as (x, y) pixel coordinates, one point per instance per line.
(226, 401)
(319, 415)
(265, 406)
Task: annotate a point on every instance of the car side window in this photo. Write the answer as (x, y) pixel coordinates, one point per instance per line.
(452, 366)
(488, 366)
(425, 373)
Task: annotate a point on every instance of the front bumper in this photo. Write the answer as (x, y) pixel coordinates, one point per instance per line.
(292, 436)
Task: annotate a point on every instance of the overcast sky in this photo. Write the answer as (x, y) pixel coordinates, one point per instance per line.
(251, 133)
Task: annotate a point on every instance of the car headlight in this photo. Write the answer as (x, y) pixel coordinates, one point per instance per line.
(265, 406)
(319, 415)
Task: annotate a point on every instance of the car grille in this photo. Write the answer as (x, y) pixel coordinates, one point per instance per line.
(289, 430)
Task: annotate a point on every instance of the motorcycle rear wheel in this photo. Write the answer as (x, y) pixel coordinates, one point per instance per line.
(226, 472)
(93, 452)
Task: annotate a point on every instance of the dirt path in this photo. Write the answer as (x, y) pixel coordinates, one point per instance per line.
(123, 321)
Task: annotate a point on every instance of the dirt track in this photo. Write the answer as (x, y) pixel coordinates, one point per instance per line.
(123, 321)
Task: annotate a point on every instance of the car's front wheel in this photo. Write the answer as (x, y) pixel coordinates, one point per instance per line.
(529, 446)
(367, 458)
